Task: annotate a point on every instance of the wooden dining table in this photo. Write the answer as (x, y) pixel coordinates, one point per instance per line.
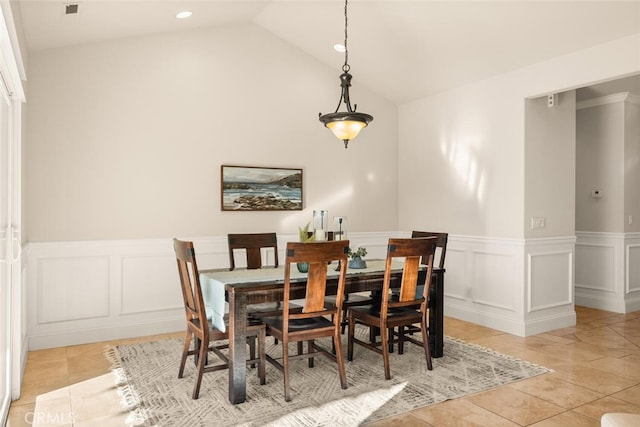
(243, 287)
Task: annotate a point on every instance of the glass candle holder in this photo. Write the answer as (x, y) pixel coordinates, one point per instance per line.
(339, 227)
(320, 224)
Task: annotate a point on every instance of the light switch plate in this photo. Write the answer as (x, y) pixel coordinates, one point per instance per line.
(537, 222)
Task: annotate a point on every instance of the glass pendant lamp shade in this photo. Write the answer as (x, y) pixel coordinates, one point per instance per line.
(346, 126)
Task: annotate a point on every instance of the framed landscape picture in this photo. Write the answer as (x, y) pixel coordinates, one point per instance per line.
(251, 188)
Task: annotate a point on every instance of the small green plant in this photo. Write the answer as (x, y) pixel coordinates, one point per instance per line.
(304, 235)
(361, 252)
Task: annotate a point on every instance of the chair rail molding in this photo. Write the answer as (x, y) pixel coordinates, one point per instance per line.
(88, 291)
(608, 271)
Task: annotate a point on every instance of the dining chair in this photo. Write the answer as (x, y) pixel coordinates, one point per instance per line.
(441, 249)
(350, 300)
(253, 244)
(405, 311)
(312, 322)
(441, 243)
(202, 326)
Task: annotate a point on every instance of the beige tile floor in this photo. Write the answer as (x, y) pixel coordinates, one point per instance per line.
(596, 363)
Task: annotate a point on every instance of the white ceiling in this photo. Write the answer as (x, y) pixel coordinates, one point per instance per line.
(401, 49)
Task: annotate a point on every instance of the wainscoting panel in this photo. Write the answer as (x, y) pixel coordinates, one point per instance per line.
(81, 292)
(484, 282)
(608, 271)
(492, 281)
(549, 284)
(633, 272)
(457, 282)
(73, 288)
(140, 274)
(553, 274)
(597, 266)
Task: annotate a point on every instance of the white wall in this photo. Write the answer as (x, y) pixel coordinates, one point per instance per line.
(600, 166)
(459, 167)
(462, 161)
(550, 173)
(472, 141)
(462, 169)
(632, 164)
(608, 247)
(126, 138)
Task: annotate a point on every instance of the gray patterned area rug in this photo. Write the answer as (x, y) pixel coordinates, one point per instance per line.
(147, 377)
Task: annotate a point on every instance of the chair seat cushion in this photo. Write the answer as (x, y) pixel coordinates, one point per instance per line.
(298, 324)
(269, 307)
(374, 310)
(351, 299)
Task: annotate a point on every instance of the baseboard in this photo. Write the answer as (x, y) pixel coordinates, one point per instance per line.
(601, 303)
(86, 336)
(550, 323)
(511, 325)
(632, 305)
(16, 386)
(501, 323)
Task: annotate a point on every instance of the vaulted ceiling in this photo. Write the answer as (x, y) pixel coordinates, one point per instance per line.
(403, 50)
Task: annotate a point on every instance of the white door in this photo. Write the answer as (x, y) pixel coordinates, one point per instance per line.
(6, 264)
(11, 293)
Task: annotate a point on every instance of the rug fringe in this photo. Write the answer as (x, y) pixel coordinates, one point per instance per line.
(128, 397)
(495, 352)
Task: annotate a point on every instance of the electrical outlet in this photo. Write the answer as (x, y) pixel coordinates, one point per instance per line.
(537, 222)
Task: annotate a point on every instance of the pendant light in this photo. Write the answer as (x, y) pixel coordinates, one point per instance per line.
(348, 124)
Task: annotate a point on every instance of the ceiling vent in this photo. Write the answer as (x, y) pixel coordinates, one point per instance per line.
(71, 9)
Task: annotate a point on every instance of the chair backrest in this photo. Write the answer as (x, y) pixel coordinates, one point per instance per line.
(318, 255)
(411, 251)
(441, 243)
(253, 243)
(191, 291)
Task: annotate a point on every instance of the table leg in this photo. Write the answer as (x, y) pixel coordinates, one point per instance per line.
(436, 314)
(237, 347)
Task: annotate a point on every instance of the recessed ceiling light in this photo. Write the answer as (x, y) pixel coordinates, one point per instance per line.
(184, 14)
(339, 47)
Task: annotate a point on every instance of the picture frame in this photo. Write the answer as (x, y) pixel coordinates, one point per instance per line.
(257, 188)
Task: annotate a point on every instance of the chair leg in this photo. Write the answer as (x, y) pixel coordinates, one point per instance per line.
(337, 342)
(350, 333)
(385, 353)
(285, 365)
(185, 351)
(310, 349)
(343, 321)
(252, 349)
(425, 343)
(262, 356)
(202, 360)
(401, 339)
